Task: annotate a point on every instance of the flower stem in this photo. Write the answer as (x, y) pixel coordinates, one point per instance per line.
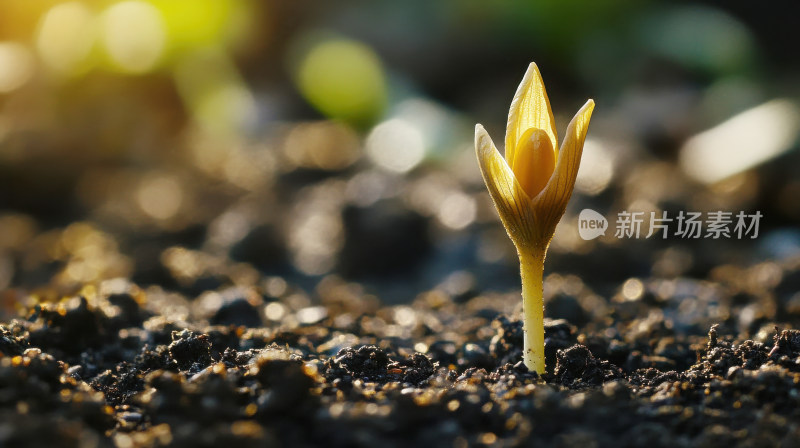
(532, 270)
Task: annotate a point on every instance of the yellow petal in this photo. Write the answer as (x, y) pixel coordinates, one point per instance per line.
(552, 201)
(529, 109)
(512, 203)
(534, 161)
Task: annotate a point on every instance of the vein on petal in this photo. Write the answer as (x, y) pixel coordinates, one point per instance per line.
(551, 203)
(511, 201)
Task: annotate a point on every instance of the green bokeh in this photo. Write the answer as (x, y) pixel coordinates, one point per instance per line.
(343, 79)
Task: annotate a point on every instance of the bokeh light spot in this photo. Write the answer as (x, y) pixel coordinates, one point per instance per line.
(596, 170)
(191, 23)
(324, 145)
(366, 188)
(343, 79)
(457, 211)
(396, 145)
(16, 66)
(134, 36)
(232, 101)
(160, 196)
(632, 289)
(741, 142)
(316, 229)
(316, 241)
(65, 37)
(218, 98)
(275, 311)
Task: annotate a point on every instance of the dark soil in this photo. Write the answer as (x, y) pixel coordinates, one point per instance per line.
(119, 365)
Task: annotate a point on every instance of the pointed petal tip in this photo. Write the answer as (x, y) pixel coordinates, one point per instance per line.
(480, 134)
(532, 74)
(578, 127)
(483, 143)
(581, 119)
(530, 108)
(585, 113)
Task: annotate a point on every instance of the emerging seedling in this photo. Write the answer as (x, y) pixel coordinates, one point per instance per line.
(530, 189)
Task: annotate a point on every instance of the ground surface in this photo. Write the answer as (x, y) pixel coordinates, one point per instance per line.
(116, 364)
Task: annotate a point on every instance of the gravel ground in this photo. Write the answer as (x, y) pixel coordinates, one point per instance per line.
(267, 365)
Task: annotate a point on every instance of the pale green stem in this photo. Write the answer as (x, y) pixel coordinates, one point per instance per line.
(532, 270)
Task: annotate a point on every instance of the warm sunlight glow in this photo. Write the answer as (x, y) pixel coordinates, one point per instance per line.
(65, 37)
(134, 36)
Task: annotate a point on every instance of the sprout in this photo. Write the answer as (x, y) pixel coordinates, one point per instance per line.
(530, 189)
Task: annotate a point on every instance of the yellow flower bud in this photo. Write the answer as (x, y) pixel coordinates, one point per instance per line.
(534, 161)
(531, 188)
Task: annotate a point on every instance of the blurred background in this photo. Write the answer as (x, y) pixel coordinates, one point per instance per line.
(198, 144)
